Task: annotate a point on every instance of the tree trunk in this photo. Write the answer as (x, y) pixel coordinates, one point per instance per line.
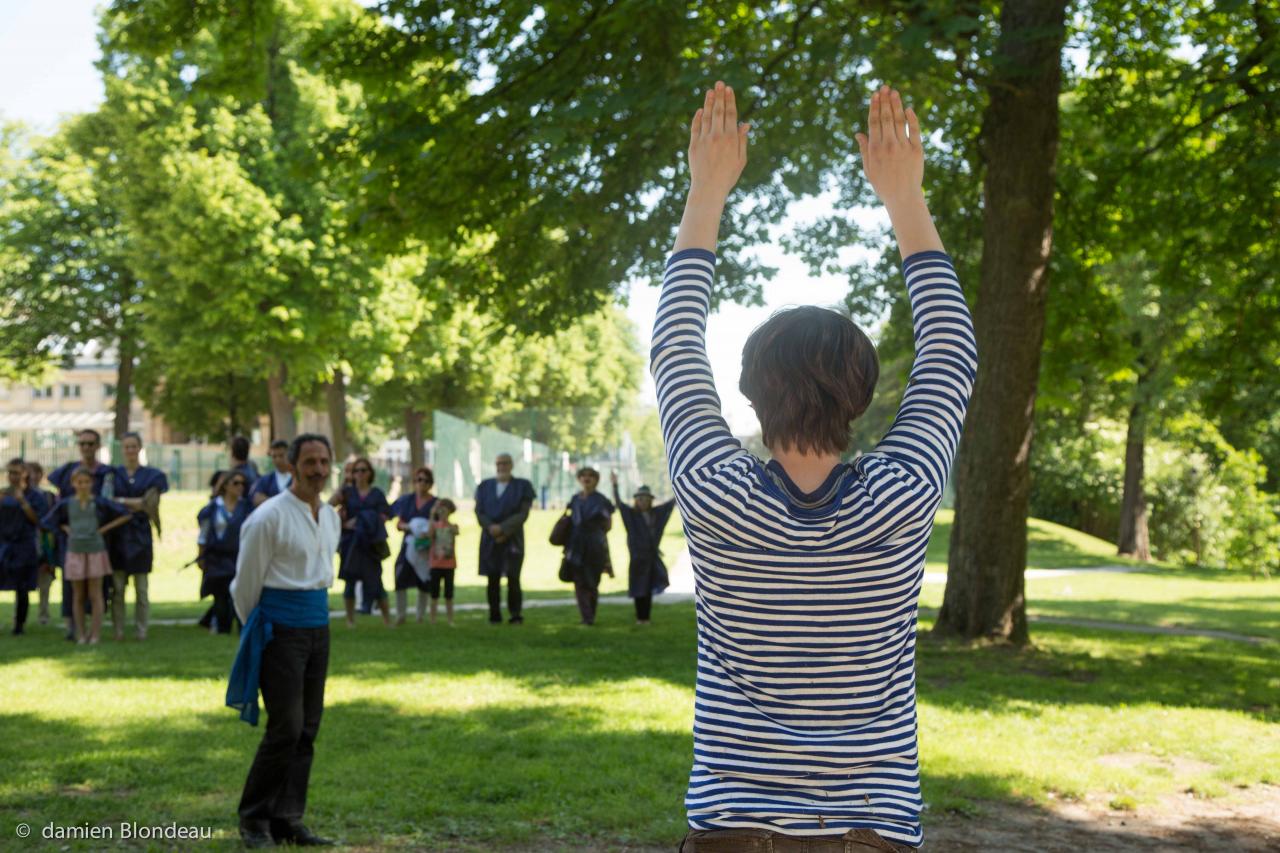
(985, 593)
(124, 385)
(335, 398)
(413, 432)
(284, 424)
(1134, 540)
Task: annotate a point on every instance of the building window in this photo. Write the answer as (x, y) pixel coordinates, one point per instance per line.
(45, 393)
(69, 392)
(108, 389)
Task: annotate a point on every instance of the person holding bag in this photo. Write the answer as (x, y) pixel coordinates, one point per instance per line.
(587, 551)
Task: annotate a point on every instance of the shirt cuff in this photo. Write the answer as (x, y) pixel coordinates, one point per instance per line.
(924, 257)
(690, 255)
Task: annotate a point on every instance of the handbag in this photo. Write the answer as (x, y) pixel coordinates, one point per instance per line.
(566, 571)
(560, 532)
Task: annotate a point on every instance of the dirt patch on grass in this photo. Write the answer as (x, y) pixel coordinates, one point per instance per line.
(1246, 820)
(1176, 764)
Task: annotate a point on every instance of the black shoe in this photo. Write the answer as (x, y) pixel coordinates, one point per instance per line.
(516, 620)
(299, 835)
(253, 836)
(493, 621)
(17, 631)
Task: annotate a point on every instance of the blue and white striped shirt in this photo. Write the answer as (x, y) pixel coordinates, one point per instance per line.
(805, 710)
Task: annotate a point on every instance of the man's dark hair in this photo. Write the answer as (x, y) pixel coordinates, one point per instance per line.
(808, 372)
(97, 436)
(279, 444)
(132, 435)
(295, 447)
(240, 448)
(17, 460)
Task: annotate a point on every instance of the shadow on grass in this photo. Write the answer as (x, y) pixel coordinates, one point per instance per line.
(511, 778)
(383, 775)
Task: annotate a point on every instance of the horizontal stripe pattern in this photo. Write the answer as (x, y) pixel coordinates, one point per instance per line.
(805, 710)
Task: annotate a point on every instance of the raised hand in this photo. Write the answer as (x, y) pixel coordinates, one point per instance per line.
(717, 145)
(717, 154)
(893, 158)
(892, 153)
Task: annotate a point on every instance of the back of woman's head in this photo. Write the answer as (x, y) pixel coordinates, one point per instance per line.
(809, 372)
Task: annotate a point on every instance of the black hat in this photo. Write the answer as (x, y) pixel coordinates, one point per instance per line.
(643, 492)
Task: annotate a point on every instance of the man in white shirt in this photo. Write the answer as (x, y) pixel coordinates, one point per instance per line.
(283, 574)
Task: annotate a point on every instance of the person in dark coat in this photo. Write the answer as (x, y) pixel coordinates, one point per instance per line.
(21, 509)
(588, 550)
(364, 511)
(137, 487)
(502, 507)
(645, 523)
(416, 504)
(276, 481)
(241, 462)
(220, 522)
(48, 542)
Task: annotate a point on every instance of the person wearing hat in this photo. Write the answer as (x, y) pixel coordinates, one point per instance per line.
(645, 523)
(587, 553)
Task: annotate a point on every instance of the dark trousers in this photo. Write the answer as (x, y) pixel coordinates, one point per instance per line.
(21, 607)
(221, 609)
(294, 665)
(515, 598)
(644, 606)
(588, 599)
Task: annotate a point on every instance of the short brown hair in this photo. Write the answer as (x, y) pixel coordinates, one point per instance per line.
(808, 372)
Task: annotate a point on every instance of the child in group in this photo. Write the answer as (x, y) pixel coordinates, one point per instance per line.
(86, 519)
(444, 562)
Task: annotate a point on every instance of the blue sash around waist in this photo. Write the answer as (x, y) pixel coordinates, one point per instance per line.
(292, 608)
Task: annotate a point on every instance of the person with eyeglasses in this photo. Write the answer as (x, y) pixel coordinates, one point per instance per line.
(364, 511)
(417, 504)
(89, 442)
(502, 507)
(220, 522)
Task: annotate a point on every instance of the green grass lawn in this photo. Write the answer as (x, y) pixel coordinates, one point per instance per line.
(442, 738)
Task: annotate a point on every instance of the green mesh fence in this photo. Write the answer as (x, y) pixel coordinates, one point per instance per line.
(465, 452)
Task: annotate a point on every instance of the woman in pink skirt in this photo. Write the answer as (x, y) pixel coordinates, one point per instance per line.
(86, 519)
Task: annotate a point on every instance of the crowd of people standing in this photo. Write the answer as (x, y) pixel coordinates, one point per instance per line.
(97, 525)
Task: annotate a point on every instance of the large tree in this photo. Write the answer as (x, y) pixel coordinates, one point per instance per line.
(985, 593)
(237, 143)
(66, 278)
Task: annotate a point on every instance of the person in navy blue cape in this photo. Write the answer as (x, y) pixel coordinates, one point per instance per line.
(587, 553)
(502, 507)
(89, 441)
(645, 522)
(241, 462)
(137, 487)
(48, 542)
(21, 509)
(276, 481)
(364, 511)
(220, 521)
(416, 504)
